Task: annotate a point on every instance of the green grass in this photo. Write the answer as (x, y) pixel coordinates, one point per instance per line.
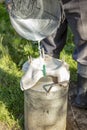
(66, 55)
(14, 51)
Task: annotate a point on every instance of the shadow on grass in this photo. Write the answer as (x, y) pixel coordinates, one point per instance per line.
(12, 96)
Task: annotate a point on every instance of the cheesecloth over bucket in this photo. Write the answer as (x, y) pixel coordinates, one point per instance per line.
(34, 19)
(34, 71)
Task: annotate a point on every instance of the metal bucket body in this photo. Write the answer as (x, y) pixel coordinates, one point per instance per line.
(45, 106)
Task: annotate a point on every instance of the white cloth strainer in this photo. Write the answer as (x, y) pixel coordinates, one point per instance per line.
(34, 71)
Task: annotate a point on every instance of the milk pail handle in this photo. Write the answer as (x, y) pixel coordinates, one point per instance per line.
(47, 87)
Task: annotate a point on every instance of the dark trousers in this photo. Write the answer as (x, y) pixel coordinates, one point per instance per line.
(76, 18)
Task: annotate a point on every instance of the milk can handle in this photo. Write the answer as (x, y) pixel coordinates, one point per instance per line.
(47, 87)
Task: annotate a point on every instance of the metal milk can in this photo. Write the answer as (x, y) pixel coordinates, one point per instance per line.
(45, 103)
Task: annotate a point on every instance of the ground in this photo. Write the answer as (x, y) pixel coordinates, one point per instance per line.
(77, 118)
(78, 121)
(3, 126)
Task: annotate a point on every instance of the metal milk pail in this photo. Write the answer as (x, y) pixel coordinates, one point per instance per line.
(45, 105)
